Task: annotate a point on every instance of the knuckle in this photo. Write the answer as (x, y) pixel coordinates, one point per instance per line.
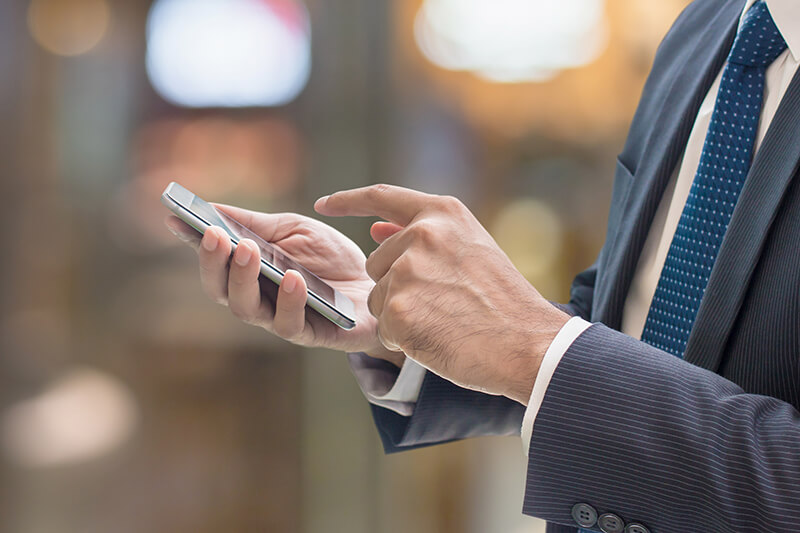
(370, 265)
(451, 204)
(396, 308)
(215, 293)
(242, 312)
(424, 231)
(377, 191)
(404, 266)
(237, 281)
(284, 330)
(289, 315)
(205, 268)
(208, 264)
(380, 188)
(240, 278)
(372, 304)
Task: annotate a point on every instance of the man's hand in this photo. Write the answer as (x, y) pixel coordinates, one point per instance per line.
(447, 295)
(234, 281)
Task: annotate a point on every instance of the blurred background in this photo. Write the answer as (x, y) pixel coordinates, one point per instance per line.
(128, 402)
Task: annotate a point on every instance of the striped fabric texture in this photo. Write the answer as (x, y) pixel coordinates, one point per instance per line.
(691, 454)
(710, 443)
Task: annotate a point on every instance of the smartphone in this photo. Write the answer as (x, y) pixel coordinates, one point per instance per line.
(201, 215)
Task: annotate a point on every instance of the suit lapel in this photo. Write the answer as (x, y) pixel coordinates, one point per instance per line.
(770, 174)
(665, 145)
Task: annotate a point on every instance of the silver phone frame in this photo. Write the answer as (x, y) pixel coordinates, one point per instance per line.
(331, 312)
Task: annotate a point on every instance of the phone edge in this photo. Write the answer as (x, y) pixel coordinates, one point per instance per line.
(314, 301)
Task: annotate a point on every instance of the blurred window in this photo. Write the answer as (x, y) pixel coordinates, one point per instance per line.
(511, 40)
(228, 53)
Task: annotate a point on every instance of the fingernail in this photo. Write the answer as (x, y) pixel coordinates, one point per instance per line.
(210, 242)
(289, 284)
(321, 201)
(173, 231)
(242, 256)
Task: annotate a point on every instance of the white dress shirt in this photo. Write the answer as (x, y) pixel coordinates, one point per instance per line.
(399, 392)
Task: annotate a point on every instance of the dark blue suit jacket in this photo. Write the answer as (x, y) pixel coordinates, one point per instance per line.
(710, 443)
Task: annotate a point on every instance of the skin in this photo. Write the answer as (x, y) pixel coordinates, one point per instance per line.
(438, 289)
(233, 281)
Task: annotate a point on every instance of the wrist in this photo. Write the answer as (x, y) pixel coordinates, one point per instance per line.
(526, 368)
(380, 352)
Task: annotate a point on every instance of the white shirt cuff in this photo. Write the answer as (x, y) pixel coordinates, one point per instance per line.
(385, 385)
(561, 343)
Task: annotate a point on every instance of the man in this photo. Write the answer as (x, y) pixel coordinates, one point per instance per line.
(692, 428)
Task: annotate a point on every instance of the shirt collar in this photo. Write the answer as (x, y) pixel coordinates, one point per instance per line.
(786, 14)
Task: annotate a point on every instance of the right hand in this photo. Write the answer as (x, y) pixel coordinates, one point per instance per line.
(338, 261)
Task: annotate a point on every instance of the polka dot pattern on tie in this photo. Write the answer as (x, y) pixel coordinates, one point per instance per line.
(724, 164)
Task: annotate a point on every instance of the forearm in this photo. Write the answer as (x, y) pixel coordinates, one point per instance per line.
(441, 411)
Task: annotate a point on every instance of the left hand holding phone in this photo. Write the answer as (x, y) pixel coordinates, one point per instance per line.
(234, 281)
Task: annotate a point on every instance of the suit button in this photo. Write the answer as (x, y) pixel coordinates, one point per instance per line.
(584, 514)
(633, 527)
(611, 523)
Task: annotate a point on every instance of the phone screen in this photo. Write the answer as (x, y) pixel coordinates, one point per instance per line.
(269, 252)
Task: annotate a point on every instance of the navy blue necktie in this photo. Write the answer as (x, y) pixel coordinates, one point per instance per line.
(724, 164)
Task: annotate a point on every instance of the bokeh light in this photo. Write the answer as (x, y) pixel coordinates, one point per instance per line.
(511, 40)
(224, 159)
(228, 53)
(531, 233)
(68, 27)
(82, 415)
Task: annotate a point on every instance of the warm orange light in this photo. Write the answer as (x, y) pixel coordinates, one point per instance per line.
(531, 233)
(584, 104)
(68, 27)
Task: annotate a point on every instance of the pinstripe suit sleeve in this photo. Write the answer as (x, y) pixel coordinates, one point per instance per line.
(633, 430)
(445, 412)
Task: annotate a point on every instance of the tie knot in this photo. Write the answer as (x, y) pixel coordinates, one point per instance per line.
(758, 41)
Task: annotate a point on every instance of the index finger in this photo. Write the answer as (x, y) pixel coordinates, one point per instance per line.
(392, 203)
